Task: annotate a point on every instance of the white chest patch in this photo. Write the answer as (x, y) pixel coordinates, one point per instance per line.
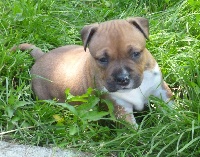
(139, 96)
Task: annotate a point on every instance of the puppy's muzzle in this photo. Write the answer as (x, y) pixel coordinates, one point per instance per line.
(122, 79)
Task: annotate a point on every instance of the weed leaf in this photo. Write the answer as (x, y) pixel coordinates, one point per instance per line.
(95, 115)
(73, 129)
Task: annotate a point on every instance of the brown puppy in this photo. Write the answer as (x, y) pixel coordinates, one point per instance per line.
(116, 62)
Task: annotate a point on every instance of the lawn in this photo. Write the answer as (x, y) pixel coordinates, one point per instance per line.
(174, 42)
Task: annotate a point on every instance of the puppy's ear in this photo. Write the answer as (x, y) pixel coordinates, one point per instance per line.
(140, 23)
(87, 32)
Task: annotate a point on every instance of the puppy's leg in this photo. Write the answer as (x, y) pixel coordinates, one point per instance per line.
(125, 112)
(163, 92)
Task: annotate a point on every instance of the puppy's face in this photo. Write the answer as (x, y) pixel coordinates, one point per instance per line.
(117, 48)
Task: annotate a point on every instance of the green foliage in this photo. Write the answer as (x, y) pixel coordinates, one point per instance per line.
(83, 114)
(174, 42)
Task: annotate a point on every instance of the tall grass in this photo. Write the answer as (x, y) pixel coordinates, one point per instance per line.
(174, 42)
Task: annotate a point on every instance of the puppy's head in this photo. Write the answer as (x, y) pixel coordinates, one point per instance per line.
(118, 50)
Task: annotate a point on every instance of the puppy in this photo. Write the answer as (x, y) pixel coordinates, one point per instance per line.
(116, 62)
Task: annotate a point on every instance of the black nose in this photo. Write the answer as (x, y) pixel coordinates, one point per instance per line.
(122, 79)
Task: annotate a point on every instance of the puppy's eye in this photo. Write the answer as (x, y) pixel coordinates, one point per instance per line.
(135, 55)
(103, 60)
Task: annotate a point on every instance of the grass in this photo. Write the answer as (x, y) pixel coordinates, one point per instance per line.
(174, 42)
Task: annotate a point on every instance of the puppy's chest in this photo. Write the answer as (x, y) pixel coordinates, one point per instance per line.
(139, 97)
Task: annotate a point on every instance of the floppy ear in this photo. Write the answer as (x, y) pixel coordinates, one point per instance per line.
(140, 23)
(87, 32)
